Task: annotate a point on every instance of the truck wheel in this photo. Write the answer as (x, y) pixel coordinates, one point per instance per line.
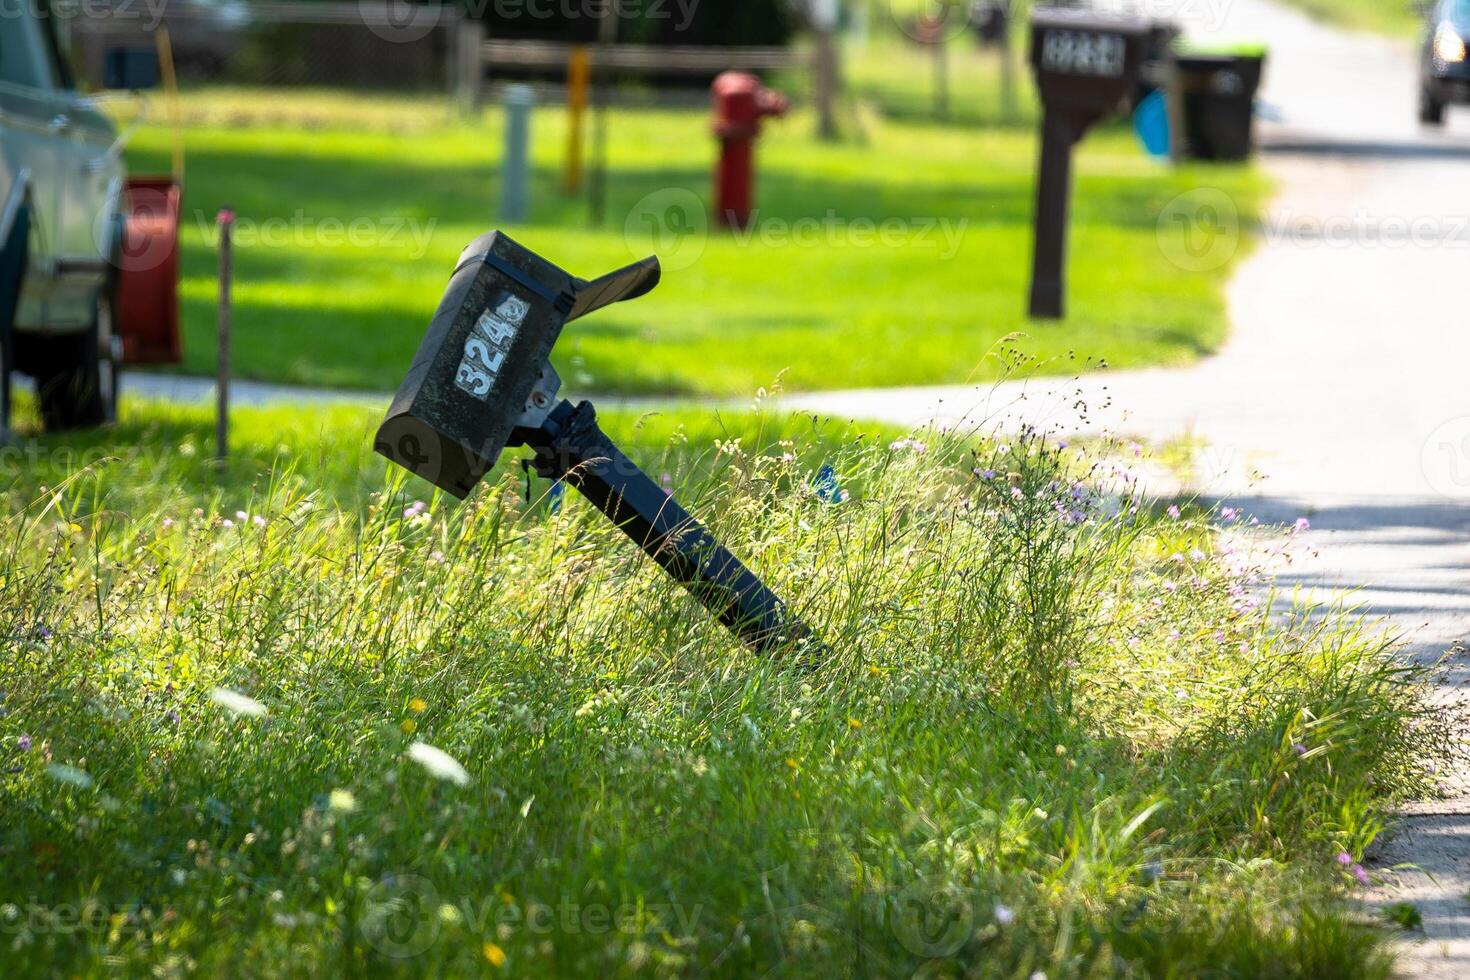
(76, 375)
(1431, 109)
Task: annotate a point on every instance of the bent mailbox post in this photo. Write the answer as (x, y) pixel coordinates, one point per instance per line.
(1086, 66)
(483, 381)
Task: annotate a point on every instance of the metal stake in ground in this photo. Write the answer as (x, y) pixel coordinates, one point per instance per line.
(226, 223)
(483, 381)
(515, 186)
(1086, 67)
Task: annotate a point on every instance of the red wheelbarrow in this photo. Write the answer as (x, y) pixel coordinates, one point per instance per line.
(147, 305)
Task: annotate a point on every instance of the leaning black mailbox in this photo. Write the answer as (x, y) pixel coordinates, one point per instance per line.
(1086, 66)
(483, 381)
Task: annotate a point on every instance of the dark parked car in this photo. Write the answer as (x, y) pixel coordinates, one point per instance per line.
(1445, 70)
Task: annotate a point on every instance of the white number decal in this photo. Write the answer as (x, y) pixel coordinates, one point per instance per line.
(494, 329)
(1074, 53)
(485, 348)
(473, 381)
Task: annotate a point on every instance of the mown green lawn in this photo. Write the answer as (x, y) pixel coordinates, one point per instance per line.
(262, 723)
(900, 256)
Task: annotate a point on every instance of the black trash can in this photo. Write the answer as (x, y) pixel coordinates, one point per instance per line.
(1212, 102)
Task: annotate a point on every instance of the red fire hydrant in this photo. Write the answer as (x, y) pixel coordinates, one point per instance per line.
(740, 103)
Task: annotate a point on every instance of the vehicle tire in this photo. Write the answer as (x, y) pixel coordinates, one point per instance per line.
(76, 374)
(1431, 109)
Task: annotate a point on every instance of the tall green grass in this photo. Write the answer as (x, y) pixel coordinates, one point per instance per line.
(1055, 732)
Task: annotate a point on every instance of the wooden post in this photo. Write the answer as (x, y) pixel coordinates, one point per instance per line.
(469, 59)
(579, 71)
(824, 17)
(941, 76)
(1007, 76)
(607, 34)
(226, 223)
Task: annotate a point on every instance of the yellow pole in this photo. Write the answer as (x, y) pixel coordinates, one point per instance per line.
(579, 75)
(171, 92)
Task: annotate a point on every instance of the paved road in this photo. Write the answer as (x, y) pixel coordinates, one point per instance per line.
(1344, 381)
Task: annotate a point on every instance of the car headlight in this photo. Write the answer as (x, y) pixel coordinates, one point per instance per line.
(1449, 46)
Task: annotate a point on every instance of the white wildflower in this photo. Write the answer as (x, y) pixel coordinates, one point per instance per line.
(70, 775)
(237, 704)
(439, 763)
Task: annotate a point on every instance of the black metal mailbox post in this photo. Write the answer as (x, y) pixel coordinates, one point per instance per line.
(483, 381)
(1086, 67)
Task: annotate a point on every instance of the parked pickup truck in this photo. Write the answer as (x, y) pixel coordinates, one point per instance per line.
(62, 331)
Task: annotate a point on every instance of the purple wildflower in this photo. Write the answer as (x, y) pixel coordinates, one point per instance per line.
(1301, 525)
(23, 743)
(1299, 749)
(1344, 858)
(1173, 512)
(43, 632)
(1228, 514)
(1361, 873)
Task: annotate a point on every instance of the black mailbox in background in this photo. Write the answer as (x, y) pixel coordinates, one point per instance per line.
(483, 382)
(131, 69)
(991, 22)
(1087, 67)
